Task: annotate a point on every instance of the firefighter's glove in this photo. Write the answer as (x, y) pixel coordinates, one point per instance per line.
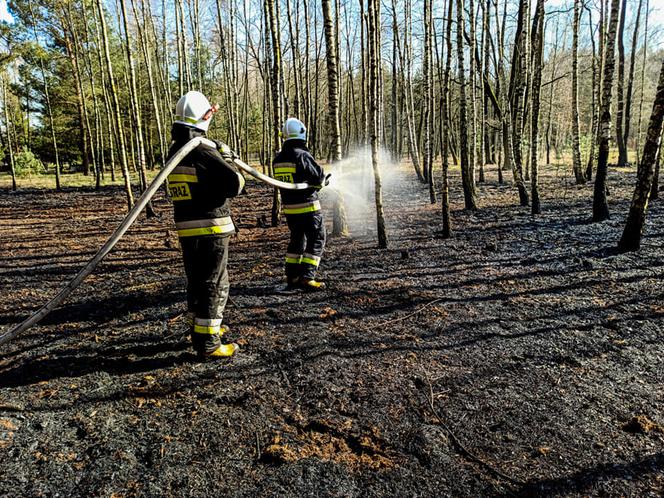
(325, 183)
(225, 151)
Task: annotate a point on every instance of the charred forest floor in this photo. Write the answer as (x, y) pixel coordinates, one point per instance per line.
(522, 357)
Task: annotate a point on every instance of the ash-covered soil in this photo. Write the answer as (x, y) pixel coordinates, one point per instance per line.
(522, 357)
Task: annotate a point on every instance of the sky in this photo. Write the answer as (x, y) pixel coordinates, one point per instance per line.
(656, 14)
(4, 15)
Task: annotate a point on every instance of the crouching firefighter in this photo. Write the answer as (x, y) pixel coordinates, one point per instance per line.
(200, 187)
(294, 164)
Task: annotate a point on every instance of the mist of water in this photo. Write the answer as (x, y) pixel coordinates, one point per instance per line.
(353, 177)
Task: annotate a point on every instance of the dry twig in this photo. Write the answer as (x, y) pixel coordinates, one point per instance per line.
(465, 451)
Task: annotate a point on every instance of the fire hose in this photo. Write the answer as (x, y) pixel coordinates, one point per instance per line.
(128, 221)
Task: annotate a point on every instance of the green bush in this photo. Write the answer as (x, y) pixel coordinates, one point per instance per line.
(26, 164)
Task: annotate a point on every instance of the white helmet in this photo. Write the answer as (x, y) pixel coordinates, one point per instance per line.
(294, 130)
(194, 109)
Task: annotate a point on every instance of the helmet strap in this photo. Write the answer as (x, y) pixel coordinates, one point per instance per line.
(210, 112)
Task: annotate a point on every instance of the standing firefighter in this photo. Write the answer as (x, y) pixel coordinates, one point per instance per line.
(200, 188)
(294, 164)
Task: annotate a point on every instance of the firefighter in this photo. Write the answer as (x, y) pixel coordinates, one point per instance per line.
(294, 164)
(200, 187)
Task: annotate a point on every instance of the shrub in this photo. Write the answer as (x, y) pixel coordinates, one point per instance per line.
(26, 163)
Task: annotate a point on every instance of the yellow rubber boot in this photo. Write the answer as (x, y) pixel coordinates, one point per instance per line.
(310, 284)
(223, 351)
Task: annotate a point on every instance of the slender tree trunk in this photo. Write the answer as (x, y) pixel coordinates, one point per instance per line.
(277, 92)
(654, 191)
(576, 142)
(144, 42)
(70, 47)
(596, 84)
(339, 224)
(117, 119)
(445, 125)
(469, 195)
(136, 110)
(374, 57)
(429, 100)
(294, 41)
(332, 80)
(631, 237)
(630, 77)
(472, 77)
(413, 146)
(49, 109)
(600, 204)
(620, 137)
(538, 48)
(643, 73)
(10, 146)
(517, 90)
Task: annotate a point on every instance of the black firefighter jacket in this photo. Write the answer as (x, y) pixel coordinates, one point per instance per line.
(295, 164)
(200, 187)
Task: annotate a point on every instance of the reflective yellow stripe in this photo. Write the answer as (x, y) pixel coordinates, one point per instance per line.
(202, 329)
(294, 261)
(309, 261)
(191, 232)
(183, 178)
(312, 207)
(186, 120)
(284, 169)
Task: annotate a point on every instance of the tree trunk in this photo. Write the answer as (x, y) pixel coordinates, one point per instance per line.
(517, 90)
(643, 72)
(630, 77)
(576, 142)
(620, 138)
(469, 195)
(538, 48)
(136, 110)
(654, 191)
(600, 204)
(374, 57)
(631, 237)
(596, 79)
(10, 147)
(339, 223)
(117, 120)
(445, 125)
(429, 101)
(277, 93)
(49, 109)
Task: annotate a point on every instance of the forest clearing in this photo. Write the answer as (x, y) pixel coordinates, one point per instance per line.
(530, 339)
(350, 249)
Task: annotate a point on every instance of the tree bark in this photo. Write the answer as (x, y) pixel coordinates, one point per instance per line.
(469, 195)
(117, 120)
(374, 57)
(339, 223)
(10, 147)
(630, 77)
(446, 122)
(600, 204)
(538, 48)
(620, 138)
(631, 237)
(576, 142)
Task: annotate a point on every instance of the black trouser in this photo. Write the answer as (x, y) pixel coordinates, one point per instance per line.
(205, 261)
(307, 241)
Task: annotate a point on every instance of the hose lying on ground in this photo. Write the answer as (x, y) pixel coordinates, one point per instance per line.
(124, 226)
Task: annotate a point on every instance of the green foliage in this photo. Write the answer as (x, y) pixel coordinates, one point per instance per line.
(26, 164)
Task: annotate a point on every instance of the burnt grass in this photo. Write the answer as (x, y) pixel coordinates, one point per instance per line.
(522, 357)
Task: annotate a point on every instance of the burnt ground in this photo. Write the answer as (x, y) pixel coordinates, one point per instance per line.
(524, 342)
